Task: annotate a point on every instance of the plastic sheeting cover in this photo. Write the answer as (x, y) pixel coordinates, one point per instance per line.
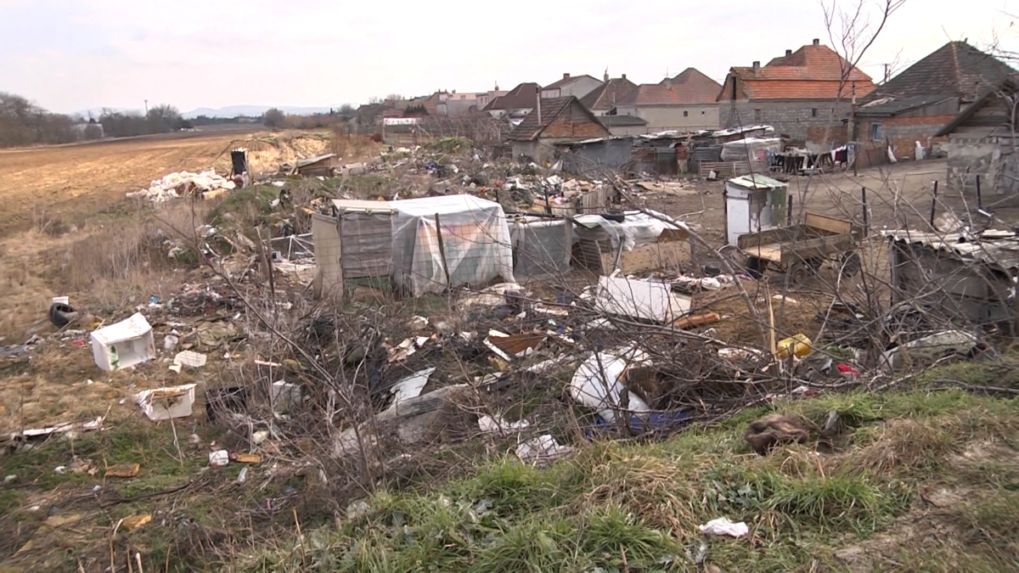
(475, 238)
(543, 247)
(637, 227)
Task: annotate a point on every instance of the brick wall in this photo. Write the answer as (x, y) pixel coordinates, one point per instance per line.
(793, 118)
(903, 132)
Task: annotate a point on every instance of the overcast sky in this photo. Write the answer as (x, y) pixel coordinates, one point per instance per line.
(74, 55)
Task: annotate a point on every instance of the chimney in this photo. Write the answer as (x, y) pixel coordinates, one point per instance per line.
(606, 75)
(668, 83)
(757, 68)
(566, 76)
(817, 42)
(624, 76)
(788, 53)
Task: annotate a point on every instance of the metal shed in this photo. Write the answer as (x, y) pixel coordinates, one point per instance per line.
(961, 276)
(753, 203)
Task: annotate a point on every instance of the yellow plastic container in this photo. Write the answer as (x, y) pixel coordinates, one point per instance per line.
(799, 345)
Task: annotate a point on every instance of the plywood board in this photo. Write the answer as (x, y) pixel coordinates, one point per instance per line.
(829, 224)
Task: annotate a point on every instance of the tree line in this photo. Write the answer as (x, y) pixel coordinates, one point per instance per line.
(24, 123)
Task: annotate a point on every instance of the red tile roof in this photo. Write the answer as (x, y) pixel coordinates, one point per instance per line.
(689, 87)
(812, 72)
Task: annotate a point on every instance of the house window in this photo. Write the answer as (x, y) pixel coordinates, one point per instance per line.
(686, 114)
(813, 112)
(702, 113)
(876, 133)
(757, 115)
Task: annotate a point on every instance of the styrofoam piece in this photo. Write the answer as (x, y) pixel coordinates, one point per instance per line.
(123, 344)
(169, 402)
(285, 396)
(190, 358)
(410, 387)
(61, 300)
(596, 382)
(219, 458)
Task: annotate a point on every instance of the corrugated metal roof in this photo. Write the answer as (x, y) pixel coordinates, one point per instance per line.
(314, 160)
(756, 182)
(993, 247)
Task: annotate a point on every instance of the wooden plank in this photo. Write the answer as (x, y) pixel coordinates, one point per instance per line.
(772, 252)
(830, 225)
(652, 256)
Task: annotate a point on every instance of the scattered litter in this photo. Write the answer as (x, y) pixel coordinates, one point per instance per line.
(788, 299)
(184, 184)
(123, 344)
(410, 387)
(596, 383)
(357, 509)
(60, 470)
(772, 430)
(170, 341)
(491, 424)
(10, 478)
(722, 526)
(510, 346)
(260, 436)
(133, 522)
(244, 458)
(166, 403)
(542, 449)
(123, 470)
(696, 320)
(190, 359)
(219, 458)
(417, 323)
(285, 396)
(65, 427)
(798, 345)
(242, 476)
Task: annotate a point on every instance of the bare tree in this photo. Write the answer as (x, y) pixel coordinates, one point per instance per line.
(273, 118)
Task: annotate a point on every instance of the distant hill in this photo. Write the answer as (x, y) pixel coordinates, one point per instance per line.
(252, 110)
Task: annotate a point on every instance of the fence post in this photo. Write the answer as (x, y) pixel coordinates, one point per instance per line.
(442, 251)
(934, 202)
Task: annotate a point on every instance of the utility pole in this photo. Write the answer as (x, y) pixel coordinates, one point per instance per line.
(146, 107)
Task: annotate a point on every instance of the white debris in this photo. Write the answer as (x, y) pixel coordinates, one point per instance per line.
(184, 183)
(722, 526)
(492, 424)
(544, 448)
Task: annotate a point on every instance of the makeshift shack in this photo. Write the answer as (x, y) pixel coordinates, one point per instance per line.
(596, 156)
(960, 276)
(422, 245)
(753, 203)
(318, 166)
(634, 242)
(542, 247)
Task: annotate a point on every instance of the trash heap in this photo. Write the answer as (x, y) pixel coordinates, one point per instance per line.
(204, 185)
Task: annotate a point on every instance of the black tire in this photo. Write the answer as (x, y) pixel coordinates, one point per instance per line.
(756, 267)
(62, 314)
(798, 273)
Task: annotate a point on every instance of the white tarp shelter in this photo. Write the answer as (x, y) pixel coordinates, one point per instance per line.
(415, 242)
